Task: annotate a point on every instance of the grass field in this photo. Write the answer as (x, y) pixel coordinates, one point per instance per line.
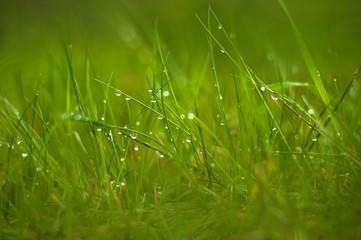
(180, 120)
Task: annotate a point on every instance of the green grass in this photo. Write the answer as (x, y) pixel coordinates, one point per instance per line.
(134, 121)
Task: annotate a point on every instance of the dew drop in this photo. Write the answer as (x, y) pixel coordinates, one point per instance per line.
(314, 139)
(165, 93)
(77, 117)
(19, 142)
(99, 129)
(212, 165)
(222, 51)
(318, 73)
(274, 98)
(190, 116)
(219, 26)
(136, 148)
(133, 135)
(273, 129)
(137, 123)
(263, 88)
(102, 118)
(24, 155)
(38, 169)
(311, 112)
(182, 116)
(104, 101)
(127, 98)
(188, 140)
(122, 159)
(117, 93)
(160, 117)
(150, 90)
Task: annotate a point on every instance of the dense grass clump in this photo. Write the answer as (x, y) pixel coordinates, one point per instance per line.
(218, 125)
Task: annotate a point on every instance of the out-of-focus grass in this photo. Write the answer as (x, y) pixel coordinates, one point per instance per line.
(174, 120)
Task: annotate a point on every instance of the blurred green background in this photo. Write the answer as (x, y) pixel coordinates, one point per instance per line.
(119, 36)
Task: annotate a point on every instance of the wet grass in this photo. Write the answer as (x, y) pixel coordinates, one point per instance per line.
(140, 135)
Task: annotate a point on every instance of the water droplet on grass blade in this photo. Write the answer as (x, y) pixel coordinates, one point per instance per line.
(160, 117)
(263, 88)
(127, 98)
(219, 26)
(77, 117)
(311, 112)
(165, 93)
(188, 140)
(117, 93)
(24, 155)
(133, 135)
(274, 98)
(99, 129)
(136, 148)
(191, 116)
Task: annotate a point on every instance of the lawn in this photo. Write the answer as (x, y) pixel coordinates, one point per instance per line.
(180, 119)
